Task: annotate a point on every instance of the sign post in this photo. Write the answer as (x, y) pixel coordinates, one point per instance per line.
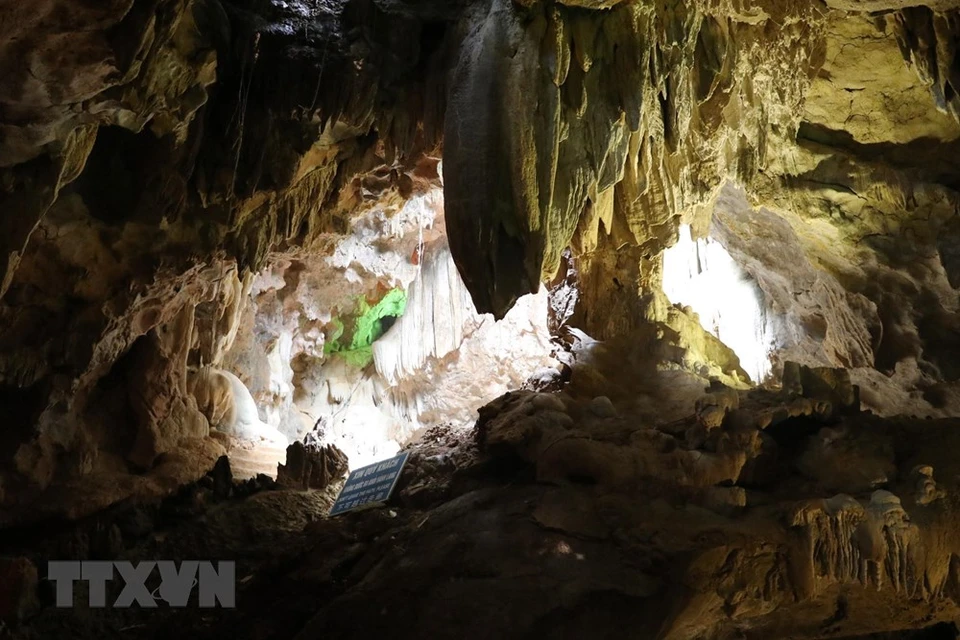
(370, 485)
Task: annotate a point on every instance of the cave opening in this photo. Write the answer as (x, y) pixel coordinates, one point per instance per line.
(701, 273)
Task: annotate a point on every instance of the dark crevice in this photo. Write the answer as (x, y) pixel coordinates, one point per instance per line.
(936, 160)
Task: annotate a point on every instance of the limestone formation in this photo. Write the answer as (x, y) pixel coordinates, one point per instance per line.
(673, 324)
(229, 407)
(311, 466)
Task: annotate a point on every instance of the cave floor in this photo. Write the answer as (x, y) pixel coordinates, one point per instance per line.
(474, 546)
(289, 556)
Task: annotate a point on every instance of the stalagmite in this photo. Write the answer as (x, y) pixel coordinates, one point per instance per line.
(229, 407)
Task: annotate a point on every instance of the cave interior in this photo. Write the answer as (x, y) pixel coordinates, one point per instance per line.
(659, 298)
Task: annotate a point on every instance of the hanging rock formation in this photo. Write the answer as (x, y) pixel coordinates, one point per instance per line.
(196, 195)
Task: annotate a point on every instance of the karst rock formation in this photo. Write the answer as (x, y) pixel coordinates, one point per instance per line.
(185, 181)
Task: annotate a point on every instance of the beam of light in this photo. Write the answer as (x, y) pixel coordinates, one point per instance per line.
(701, 274)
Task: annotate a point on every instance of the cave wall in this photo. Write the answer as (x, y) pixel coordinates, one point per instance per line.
(177, 175)
(156, 153)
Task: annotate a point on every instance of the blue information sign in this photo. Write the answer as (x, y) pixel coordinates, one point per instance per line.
(368, 485)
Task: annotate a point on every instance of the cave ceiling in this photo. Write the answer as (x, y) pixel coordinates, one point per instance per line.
(156, 155)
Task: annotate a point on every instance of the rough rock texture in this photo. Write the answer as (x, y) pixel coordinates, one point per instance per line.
(639, 110)
(729, 514)
(435, 364)
(194, 193)
(231, 132)
(150, 160)
(311, 466)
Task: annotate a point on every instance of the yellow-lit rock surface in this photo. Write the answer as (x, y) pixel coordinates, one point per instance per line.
(677, 352)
